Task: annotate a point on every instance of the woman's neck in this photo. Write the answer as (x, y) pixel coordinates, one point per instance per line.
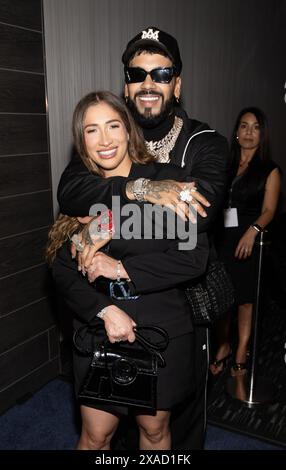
(246, 156)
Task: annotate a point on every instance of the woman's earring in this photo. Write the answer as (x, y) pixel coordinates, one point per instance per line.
(177, 99)
(126, 98)
(237, 137)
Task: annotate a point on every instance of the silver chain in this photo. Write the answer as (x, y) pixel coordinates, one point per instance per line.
(161, 148)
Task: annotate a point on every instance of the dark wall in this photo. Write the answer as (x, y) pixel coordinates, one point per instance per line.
(28, 334)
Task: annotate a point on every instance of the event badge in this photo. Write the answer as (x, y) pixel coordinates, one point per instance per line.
(230, 217)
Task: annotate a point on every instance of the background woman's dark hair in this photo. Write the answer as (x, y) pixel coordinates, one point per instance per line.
(255, 177)
(263, 150)
(136, 145)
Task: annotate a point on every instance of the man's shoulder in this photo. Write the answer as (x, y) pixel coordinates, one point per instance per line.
(195, 128)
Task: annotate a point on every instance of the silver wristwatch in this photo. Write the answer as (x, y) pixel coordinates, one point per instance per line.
(140, 188)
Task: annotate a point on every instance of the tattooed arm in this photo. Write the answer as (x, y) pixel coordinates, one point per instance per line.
(166, 193)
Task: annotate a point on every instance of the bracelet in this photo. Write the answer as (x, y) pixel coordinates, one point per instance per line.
(257, 227)
(118, 277)
(102, 313)
(140, 189)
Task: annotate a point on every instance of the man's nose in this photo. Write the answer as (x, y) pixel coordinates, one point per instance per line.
(148, 82)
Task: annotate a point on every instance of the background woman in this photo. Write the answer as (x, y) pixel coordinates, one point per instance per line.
(109, 143)
(252, 202)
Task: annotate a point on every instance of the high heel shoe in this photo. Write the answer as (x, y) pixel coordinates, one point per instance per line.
(215, 365)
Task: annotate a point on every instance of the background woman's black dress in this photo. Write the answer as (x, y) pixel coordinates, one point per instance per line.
(246, 194)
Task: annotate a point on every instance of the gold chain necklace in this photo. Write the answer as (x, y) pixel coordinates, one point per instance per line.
(161, 148)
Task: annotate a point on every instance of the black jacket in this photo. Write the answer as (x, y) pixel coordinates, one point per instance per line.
(157, 268)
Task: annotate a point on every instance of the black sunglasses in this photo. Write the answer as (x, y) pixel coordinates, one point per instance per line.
(158, 75)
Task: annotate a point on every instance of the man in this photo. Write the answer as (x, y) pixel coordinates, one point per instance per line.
(152, 67)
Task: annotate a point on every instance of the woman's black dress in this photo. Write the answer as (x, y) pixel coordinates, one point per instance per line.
(246, 194)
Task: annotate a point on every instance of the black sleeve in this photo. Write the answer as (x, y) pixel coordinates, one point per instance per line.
(157, 271)
(209, 168)
(81, 297)
(79, 189)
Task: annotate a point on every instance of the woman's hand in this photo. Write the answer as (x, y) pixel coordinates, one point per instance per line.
(118, 325)
(103, 265)
(89, 241)
(245, 244)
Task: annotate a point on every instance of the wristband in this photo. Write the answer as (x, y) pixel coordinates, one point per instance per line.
(257, 227)
(102, 313)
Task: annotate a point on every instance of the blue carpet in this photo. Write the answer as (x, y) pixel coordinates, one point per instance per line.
(48, 421)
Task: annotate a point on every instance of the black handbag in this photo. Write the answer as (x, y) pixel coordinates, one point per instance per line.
(122, 373)
(212, 296)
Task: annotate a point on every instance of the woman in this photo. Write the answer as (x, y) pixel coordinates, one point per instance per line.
(109, 143)
(253, 198)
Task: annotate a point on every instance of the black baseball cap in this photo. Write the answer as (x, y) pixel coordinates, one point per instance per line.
(153, 36)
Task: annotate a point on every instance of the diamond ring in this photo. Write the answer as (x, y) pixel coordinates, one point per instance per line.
(185, 195)
(79, 246)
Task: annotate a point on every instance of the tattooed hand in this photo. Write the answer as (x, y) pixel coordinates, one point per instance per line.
(167, 193)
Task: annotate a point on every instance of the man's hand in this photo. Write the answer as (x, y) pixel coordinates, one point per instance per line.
(168, 193)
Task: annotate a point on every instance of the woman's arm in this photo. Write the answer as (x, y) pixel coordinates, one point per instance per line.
(155, 271)
(83, 299)
(269, 206)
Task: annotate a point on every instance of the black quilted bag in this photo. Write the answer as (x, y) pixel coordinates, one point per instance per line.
(212, 296)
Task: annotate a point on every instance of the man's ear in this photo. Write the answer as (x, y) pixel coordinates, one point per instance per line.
(177, 89)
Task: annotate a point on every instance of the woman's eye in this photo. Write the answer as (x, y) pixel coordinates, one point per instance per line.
(90, 131)
(114, 126)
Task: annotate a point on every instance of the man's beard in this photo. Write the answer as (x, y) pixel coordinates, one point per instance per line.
(148, 120)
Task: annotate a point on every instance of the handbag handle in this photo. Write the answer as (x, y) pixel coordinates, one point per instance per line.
(145, 343)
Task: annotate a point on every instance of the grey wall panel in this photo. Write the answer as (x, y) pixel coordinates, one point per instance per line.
(23, 288)
(25, 205)
(20, 49)
(24, 359)
(24, 388)
(23, 213)
(22, 92)
(26, 323)
(233, 55)
(22, 13)
(21, 134)
(24, 173)
(29, 247)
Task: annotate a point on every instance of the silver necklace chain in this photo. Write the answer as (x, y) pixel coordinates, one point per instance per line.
(160, 149)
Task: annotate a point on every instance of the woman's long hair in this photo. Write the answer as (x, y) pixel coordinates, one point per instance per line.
(66, 226)
(263, 150)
